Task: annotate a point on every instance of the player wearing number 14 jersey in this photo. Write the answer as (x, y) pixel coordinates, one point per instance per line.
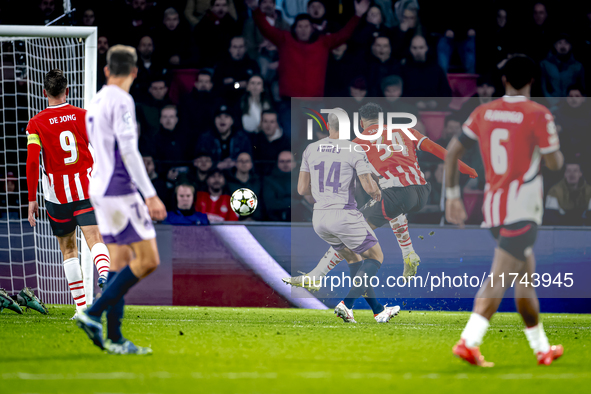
(59, 133)
(514, 135)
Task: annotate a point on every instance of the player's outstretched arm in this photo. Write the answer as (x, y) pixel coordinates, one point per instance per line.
(370, 186)
(554, 161)
(33, 151)
(437, 150)
(454, 207)
(304, 184)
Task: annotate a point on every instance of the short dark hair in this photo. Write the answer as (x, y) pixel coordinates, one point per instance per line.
(55, 83)
(184, 183)
(370, 111)
(575, 86)
(269, 112)
(121, 60)
(519, 70)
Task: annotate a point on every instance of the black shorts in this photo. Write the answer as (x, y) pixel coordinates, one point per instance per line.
(65, 217)
(396, 201)
(517, 239)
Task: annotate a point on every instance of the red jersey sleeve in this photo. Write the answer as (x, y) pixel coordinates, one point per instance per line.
(545, 135)
(470, 127)
(420, 138)
(33, 151)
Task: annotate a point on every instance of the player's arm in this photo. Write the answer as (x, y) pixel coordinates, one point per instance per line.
(127, 141)
(304, 184)
(554, 161)
(454, 207)
(426, 145)
(547, 139)
(33, 152)
(370, 186)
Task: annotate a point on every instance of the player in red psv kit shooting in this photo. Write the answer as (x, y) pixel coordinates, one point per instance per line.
(514, 134)
(59, 133)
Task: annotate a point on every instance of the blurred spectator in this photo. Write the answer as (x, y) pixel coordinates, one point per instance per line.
(453, 128)
(213, 202)
(195, 10)
(148, 67)
(303, 55)
(88, 17)
(401, 35)
(278, 187)
(253, 36)
(317, 11)
(173, 150)
(495, 42)
(485, 91)
(573, 118)
(224, 143)
(381, 64)
(292, 8)
(45, 12)
(10, 205)
(268, 143)
(343, 66)
(460, 36)
(148, 111)
(357, 90)
(423, 78)
(253, 103)
(392, 89)
(232, 74)
(159, 184)
(212, 35)
(171, 38)
(560, 70)
(369, 28)
(197, 109)
(537, 34)
(202, 164)
(568, 202)
(136, 22)
(185, 213)
(102, 46)
(268, 60)
(243, 176)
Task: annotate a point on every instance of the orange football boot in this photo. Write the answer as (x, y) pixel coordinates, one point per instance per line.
(470, 354)
(554, 353)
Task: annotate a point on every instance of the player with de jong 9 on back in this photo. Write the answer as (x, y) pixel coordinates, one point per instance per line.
(59, 134)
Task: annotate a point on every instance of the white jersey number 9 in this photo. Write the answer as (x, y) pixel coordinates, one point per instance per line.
(498, 153)
(68, 143)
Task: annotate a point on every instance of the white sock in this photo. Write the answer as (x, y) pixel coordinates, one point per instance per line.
(330, 260)
(400, 227)
(537, 338)
(75, 282)
(475, 330)
(101, 258)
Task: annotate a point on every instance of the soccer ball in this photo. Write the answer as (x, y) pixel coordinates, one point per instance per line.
(244, 202)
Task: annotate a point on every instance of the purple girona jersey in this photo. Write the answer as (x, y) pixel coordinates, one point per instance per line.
(333, 165)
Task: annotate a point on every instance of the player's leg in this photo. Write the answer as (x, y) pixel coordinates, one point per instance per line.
(85, 217)
(528, 307)
(99, 252)
(72, 269)
(515, 243)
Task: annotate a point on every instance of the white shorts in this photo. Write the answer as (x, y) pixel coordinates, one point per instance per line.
(344, 228)
(123, 220)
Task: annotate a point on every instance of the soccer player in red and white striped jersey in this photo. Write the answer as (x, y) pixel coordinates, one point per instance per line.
(514, 135)
(59, 133)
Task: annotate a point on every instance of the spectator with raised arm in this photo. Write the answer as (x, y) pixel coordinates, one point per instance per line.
(252, 34)
(303, 54)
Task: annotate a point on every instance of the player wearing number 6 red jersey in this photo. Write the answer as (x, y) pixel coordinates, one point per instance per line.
(59, 133)
(514, 135)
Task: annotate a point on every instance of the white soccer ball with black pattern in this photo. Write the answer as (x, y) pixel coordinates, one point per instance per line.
(244, 202)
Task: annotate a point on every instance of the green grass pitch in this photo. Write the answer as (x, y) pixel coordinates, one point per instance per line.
(240, 350)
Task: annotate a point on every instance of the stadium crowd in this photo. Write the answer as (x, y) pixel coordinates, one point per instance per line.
(216, 77)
